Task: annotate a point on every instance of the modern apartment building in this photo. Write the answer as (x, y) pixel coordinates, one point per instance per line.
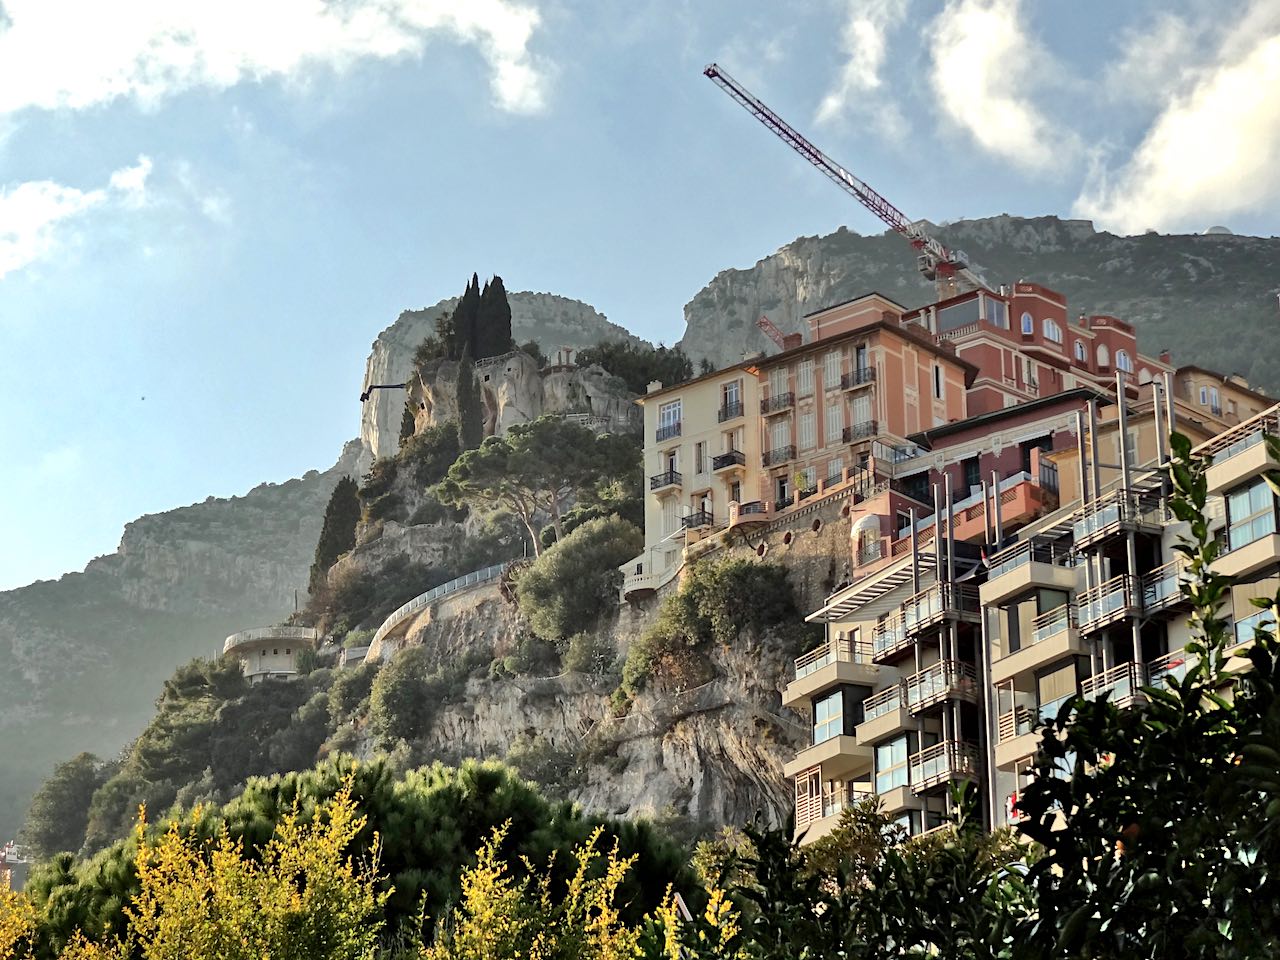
(946, 647)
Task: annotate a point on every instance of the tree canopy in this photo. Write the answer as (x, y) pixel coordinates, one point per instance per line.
(338, 532)
(639, 363)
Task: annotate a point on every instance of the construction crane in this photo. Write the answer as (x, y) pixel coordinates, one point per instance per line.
(948, 269)
(770, 330)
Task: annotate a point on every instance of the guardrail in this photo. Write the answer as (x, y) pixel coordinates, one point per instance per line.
(731, 411)
(778, 402)
(269, 633)
(1242, 436)
(435, 593)
(857, 378)
(843, 650)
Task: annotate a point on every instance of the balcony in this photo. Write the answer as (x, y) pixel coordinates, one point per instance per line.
(835, 661)
(1162, 587)
(1054, 635)
(779, 455)
(818, 814)
(667, 431)
(1024, 567)
(1016, 738)
(777, 403)
(755, 511)
(858, 378)
(783, 502)
(943, 763)
(664, 480)
(1117, 512)
(263, 637)
(859, 431)
(1109, 602)
(890, 637)
(884, 714)
(840, 757)
(1121, 683)
(697, 520)
(1173, 665)
(730, 411)
(870, 552)
(1239, 454)
(726, 461)
(938, 603)
(1253, 550)
(945, 680)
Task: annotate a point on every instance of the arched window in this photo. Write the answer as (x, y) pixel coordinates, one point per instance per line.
(1082, 353)
(1028, 324)
(1052, 332)
(1123, 362)
(1104, 355)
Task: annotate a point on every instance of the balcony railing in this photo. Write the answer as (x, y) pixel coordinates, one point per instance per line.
(668, 478)
(886, 701)
(1021, 719)
(840, 650)
(948, 760)
(1162, 587)
(1174, 664)
(1245, 627)
(890, 635)
(857, 378)
(699, 518)
(1108, 602)
(1050, 624)
(938, 602)
(870, 552)
(779, 455)
(732, 458)
(667, 431)
(754, 507)
(833, 799)
(858, 431)
(1114, 512)
(783, 502)
(731, 411)
(778, 402)
(945, 680)
(1121, 682)
(1029, 551)
(1242, 436)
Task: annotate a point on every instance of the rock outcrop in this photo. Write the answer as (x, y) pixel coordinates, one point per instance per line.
(1211, 299)
(552, 321)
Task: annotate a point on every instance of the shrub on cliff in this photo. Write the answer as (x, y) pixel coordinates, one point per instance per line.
(429, 454)
(637, 364)
(403, 699)
(575, 583)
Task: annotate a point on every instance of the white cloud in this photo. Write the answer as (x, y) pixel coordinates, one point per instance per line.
(83, 53)
(864, 41)
(1213, 150)
(34, 214)
(984, 62)
(1142, 71)
(59, 463)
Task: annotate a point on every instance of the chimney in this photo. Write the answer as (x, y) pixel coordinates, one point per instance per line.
(654, 386)
(1165, 357)
(791, 341)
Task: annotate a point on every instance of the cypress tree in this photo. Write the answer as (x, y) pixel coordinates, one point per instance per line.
(406, 423)
(338, 533)
(470, 409)
(494, 326)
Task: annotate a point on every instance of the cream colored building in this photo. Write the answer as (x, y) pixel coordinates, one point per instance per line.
(270, 652)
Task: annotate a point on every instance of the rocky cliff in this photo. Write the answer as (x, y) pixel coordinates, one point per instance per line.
(86, 654)
(552, 321)
(1210, 299)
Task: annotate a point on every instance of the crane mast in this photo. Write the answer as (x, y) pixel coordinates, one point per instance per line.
(948, 269)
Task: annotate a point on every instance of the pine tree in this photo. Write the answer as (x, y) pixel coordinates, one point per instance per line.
(338, 533)
(470, 409)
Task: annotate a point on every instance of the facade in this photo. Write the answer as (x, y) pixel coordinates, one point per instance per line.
(937, 665)
(270, 652)
(1223, 401)
(13, 866)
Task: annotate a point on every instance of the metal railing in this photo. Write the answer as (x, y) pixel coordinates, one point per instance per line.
(1108, 602)
(783, 502)
(1122, 682)
(1242, 436)
(475, 578)
(777, 402)
(779, 455)
(728, 459)
(1028, 551)
(942, 681)
(841, 649)
(834, 798)
(858, 431)
(870, 552)
(948, 760)
(1244, 628)
(699, 518)
(857, 378)
(1162, 587)
(886, 701)
(668, 478)
(937, 602)
(1021, 719)
(754, 507)
(269, 633)
(1053, 622)
(1174, 664)
(730, 411)
(667, 431)
(890, 635)
(1113, 512)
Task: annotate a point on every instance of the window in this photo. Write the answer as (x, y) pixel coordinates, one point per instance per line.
(731, 399)
(1123, 362)
(1104, 355)
(1251, 514)
(777, 381)
(275, 653)
(1054, 688)
(1028, 325)
(1082, 353)
(779, 434)
(835, 423)
(783, 488)
(861, 409)
(835, 469)
(904, 524)
(1029, 373)
(860, 358)
(891, 764)
(1052, 331)
(972, 473)
(669, 506)
(804, 377)
(831, 369)
(1213, 400)
(808, 430)
(699, 457)
(1204, 396)
(669, 420)
(937, 381)
(997, 312)
(735, 491)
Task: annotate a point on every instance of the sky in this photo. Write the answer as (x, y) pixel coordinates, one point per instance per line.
(209, 210)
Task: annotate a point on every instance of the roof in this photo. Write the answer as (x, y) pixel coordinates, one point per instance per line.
(740, 365)
(1226, 381)
(861, 296)
(926, 437)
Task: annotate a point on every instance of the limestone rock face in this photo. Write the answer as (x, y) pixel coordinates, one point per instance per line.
(1168, 285)
(550, 320)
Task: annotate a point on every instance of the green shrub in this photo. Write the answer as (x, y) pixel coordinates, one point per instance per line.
(389, 506)
(379, 478)
(349, 689)
(538, 760)
(429, 454)
(432, 510)
(575, 583)
(402, 701)
(589, 653)
(532, 656)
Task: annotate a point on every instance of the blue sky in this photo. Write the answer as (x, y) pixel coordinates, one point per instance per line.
(216, 207)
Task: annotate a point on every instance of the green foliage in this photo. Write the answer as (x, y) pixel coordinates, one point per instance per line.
(470, 410)
(407, 422)
(572, 585)
(381, 475)
(480, 325)
(429, 454)
(534, 349)
(338, 533)
(59, 812)
(358, 598)
(350, 689)
(619, 492)
(403, 701)
(539, 760)
(638, 364)
(589, 653)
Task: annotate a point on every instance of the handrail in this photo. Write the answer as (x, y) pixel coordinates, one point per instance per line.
(728, 459)
(1118, 506)
(1116, 594)
(1035, 549)
(841, 649)
(779, 455)
(939, 681)
(1053, 622)
(667, 478)
(269, 633)
(667, 431)
(777, 402)
(1174, 664)
(1163, 585)
(942, 761)
(1124, 679)
(731, 411)
(867, 428)
(1242, 436)
(1015, 722)
(857, 378)
(476, 577)
(890, 698)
